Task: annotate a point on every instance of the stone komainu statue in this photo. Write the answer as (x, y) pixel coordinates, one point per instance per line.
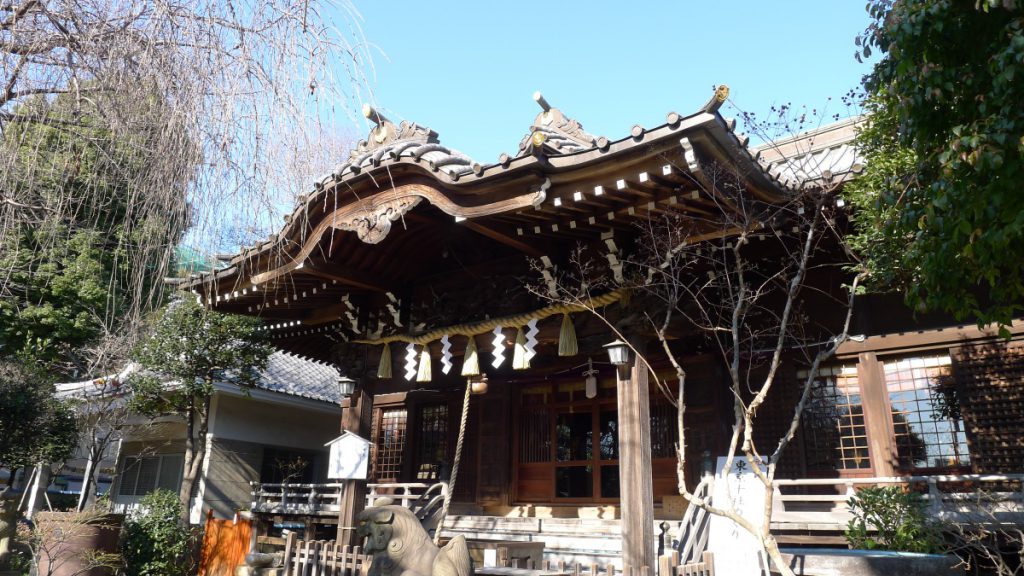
(401, 547)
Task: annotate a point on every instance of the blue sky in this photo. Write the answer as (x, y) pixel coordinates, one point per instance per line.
(468, 69)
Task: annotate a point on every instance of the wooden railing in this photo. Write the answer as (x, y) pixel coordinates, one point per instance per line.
(952, 498)
(311, 499)
(323, 558)
(403, 493)
(425, 500)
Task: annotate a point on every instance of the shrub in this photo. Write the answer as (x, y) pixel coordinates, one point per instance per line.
(156, 542)
(889, 518)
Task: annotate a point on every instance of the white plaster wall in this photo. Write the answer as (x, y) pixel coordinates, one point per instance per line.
(252, 420)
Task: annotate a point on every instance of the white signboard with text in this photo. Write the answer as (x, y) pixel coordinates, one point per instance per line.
(736, 550)
(350, 456)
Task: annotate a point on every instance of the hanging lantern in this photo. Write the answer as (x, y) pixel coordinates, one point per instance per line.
(471, 360)
(567, 345)
(520, 359)
(423, 374)
(384, 369)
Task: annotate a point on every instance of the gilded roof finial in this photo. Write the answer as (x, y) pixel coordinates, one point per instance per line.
(717, 99)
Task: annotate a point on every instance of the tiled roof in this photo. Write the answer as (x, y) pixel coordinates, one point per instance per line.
(285, 373)
(824, 153)
(290, 374)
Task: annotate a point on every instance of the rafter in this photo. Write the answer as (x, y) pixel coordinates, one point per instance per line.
(348, 277)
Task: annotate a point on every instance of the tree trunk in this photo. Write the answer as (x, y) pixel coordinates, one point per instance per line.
(88, 481)
(195, 453)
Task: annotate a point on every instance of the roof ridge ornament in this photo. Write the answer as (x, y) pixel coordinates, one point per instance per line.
(384, 132)
(717, 99)
(553, 130)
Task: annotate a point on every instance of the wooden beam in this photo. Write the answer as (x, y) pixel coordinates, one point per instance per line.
(503, 238)
(348, 277)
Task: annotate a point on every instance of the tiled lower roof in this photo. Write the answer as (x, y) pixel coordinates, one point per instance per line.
(290, 374)
(285, 373)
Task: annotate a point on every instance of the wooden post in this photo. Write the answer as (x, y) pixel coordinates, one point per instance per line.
(877, 415)
(289, 550)
(636, 491)
(354, 418)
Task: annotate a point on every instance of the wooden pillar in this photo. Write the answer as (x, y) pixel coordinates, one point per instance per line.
(356, 418)
(635, 489)
(877, 417)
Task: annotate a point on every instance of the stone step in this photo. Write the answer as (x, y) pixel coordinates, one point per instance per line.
(595, 544)
(563, 526)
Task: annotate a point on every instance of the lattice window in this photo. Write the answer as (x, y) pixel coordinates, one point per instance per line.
(535, 435)
(389, 431)
(925, 413)
(142, 475)
(432, 441)
(664, 430)
(835, 436)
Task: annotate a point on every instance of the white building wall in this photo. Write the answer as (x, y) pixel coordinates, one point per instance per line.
(256, 421)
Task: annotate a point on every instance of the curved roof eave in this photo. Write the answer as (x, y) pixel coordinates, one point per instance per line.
(462, 180)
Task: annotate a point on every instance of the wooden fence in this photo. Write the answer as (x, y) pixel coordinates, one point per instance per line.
(327, 558)
(323, 558)
(668, 565)
(225, 543)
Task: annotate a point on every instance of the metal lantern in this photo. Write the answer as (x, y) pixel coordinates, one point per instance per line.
(346, 386)
(618, 353)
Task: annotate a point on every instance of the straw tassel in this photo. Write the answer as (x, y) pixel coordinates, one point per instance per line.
(423, 374)
(567, 345)
(520, 359)
(384, 369)
(471, 360)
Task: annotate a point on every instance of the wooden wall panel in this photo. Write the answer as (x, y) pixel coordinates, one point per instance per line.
(495, 447)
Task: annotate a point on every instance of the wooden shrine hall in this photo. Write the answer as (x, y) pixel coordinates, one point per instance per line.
(427, 278)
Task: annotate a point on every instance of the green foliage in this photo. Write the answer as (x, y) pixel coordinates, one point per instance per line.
(34, 427)
(155, 541)
(91, 249)
(942, 213)
(889, 518)
(193, 348)
(189, 351)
